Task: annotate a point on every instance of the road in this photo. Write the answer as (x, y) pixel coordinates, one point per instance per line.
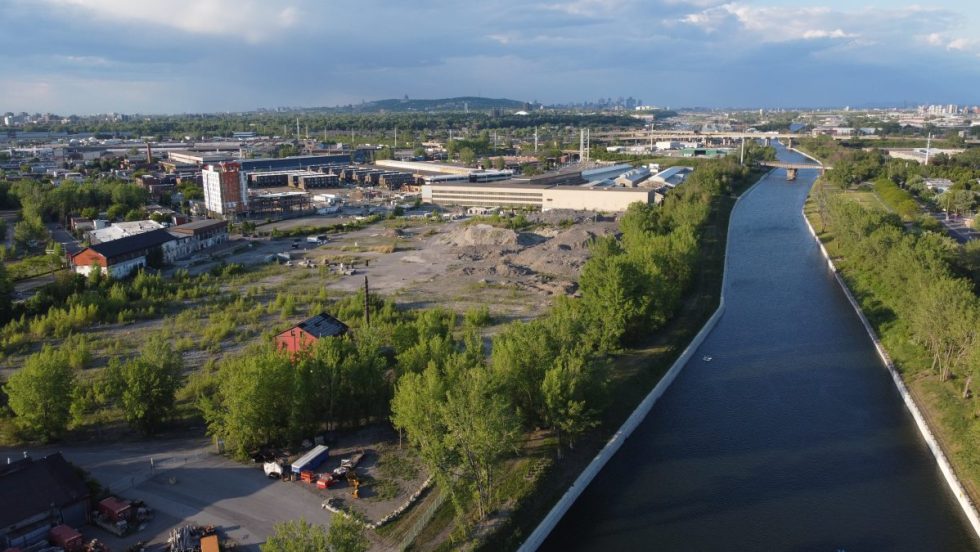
(62, 236)
(956, 227)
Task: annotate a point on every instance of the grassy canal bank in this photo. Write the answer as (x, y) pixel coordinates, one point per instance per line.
(947, 402)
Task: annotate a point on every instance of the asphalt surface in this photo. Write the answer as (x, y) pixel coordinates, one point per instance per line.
(62, 236)
(184, 482)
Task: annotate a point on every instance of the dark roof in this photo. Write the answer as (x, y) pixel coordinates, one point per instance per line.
(29, 487)
(131, 244)
(198, 226)
(323, 325)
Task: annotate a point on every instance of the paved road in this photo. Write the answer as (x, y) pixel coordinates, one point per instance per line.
(957, 229)
(62, 236)
(187, 483)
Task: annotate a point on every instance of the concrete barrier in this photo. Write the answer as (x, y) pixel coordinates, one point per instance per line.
(541, 532)
(952, 481)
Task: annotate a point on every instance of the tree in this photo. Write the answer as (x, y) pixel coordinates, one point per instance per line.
(499, 163)
(467, 156)
(40, 393)
(346, 535)
(298, 536)
(249, 409)
(571, 388)
(147, 385)
(6, 294)
(480, 428)
(30, 231)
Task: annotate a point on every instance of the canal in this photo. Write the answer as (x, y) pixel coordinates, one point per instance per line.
(784, 431)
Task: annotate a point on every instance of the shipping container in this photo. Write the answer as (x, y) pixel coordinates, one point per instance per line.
(312, 459)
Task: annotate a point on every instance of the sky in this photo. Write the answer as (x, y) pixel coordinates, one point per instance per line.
(191, 56)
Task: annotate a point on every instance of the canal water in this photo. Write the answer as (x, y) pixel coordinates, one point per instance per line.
(791, 437)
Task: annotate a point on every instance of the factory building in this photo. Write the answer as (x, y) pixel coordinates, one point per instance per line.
(300, 162)
(423, 167)
(36, 495)
(535, 196)
(197, 158)
(395, 180)
(671, 177)
(633, 178)
(297, 179)
(225, 190)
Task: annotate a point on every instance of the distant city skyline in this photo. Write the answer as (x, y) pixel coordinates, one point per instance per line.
(96, 56)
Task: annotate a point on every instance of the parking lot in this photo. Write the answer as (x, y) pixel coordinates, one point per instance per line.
(183, 481)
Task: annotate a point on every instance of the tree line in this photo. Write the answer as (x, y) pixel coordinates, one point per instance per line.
(464, 402)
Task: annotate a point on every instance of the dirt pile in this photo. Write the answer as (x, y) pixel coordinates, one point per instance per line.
(482, 235)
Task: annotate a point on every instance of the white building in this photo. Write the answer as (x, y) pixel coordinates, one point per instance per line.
(225, 191)
(535, 196)
(121, 230)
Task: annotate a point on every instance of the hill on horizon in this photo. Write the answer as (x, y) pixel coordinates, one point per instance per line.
(462, 103)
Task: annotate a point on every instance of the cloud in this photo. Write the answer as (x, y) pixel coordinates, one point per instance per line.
(836, 33)
(253, 20)
(154, 56)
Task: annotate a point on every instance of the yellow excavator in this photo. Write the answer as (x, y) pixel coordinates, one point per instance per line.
(354, 482)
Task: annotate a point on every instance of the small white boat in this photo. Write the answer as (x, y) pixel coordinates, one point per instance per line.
(706, 358)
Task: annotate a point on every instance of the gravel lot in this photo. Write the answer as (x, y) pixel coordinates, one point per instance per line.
(190, 484)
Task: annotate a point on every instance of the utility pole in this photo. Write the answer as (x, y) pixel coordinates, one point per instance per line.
(741, 158)
(535, 139)
(297, 129)
(396, 139)
(928, 148)
(367, 309)
(588, 145)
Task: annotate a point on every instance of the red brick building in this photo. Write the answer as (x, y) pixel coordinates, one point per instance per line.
(302, 336)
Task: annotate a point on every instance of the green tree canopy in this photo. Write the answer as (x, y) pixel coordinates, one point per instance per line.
(40, 393)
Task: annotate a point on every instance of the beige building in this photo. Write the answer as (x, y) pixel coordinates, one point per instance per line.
(535, 196)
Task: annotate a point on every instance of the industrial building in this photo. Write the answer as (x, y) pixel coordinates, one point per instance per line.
(535, 196)
(121, 230)
(395, 180)
(671, 177)
(36, 495)
(423, 167)
(278, 203)
(304, 335)
(302, 179)
(120, 258)
(633, 178)
(197, 158)
(300, 162)
(225, 189)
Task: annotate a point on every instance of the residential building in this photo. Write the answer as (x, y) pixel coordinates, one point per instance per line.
(225, 193)
(304, 335)
(36, 495)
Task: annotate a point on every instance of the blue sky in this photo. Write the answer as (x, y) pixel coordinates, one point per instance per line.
(166, 56)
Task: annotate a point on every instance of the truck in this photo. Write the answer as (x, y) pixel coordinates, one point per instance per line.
(67, 538)
(273, 469)
(316, 239)
(311, 460)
